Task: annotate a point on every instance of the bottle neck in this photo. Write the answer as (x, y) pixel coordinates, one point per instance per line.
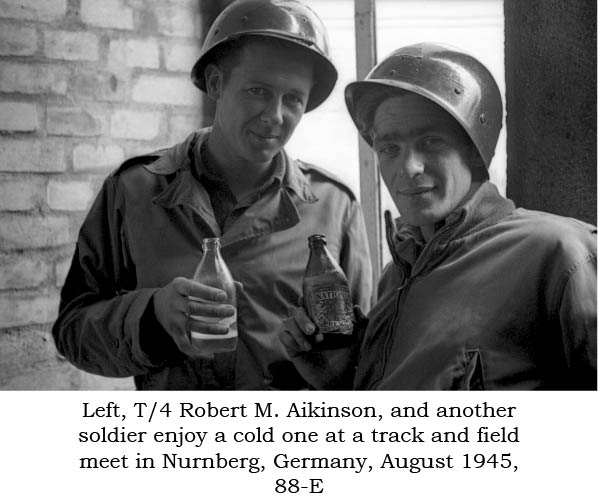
(316, 241)
(212, 269)
(211, 245)
(320, 261)
(317, 246)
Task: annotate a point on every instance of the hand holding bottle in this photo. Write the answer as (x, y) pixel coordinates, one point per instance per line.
(299, 333)
(212, 271)
(322, 369)
(327, 297)
(174, 309)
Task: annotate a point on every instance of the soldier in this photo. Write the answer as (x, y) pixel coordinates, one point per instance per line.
(479, 294)
(125, 307)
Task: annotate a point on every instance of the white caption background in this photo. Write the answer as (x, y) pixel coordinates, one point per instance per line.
(555, 455)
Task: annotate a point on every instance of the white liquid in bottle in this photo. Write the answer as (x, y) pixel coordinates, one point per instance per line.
(212, 271)
(216, 343)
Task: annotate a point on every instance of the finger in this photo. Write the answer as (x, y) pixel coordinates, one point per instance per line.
(206, 292)
(182, 285)
(300, 340)
(300, 316)
(197, 324)
(214, 310)
(187, 287)
(291, 345)
(239, 286)
(166, 302)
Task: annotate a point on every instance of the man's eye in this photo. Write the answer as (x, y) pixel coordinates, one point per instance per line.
(432, 141)
(257, 91)
(388, 149)
(295, 100)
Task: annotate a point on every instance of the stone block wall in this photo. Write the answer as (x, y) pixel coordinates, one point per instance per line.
(84, 84)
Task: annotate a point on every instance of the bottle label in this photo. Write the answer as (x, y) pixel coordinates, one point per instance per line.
(330, 308)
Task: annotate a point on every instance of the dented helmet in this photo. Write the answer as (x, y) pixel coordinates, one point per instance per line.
(454, 80)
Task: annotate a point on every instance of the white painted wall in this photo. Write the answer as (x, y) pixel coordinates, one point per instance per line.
(327, 136)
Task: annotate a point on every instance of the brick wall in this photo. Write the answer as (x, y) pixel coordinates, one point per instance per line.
(84, 84)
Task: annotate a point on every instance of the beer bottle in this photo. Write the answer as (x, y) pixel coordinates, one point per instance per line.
(326, 296)
(212, 271)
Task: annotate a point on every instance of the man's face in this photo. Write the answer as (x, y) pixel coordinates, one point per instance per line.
(262, 100)
(422, 156)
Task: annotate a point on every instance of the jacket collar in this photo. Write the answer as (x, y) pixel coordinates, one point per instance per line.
(295, 180)
(485, 207)
(275, 211)
(177, 160)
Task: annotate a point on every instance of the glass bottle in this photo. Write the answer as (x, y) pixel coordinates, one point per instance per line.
(327, 297)
(212, 271)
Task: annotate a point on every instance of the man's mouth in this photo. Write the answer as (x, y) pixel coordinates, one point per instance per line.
(266, 137)
(415, 191)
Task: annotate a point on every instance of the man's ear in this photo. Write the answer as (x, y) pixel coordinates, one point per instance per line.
(214, 81)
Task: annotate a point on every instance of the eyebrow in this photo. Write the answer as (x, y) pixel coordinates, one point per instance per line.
(395, 135)
(259, 83)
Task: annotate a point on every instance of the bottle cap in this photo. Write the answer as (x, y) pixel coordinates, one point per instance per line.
(316, 240)
(210, 243)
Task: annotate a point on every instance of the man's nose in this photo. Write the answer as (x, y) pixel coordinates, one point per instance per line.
(412, 164)
(272, 113)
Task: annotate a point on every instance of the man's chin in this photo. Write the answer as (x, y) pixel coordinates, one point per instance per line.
(423, 218)
(264, 155)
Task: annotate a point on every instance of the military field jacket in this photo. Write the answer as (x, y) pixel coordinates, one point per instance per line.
(146, 227)
(498, 299)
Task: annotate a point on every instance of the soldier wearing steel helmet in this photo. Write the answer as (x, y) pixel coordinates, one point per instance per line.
(479, 294)
(125, 306)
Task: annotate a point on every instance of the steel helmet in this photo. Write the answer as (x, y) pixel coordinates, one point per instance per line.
(454, 80)
(288, 20)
